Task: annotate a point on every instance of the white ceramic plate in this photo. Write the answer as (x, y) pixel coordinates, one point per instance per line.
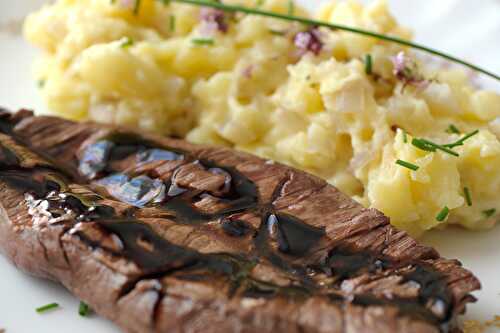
(469, 29)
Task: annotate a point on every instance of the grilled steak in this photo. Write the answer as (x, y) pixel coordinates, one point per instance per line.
(159, 235)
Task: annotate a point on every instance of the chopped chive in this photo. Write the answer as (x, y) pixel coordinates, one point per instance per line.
(452, 129)
(405, 137)
(137, 6)
(439, 147)
(172, 23)
(165, 2)
(443, 214)
(47, 307)
(467, 196)
(277, 32)
(368, 64)
(41, 83)
(420, 144)
(83, 309)
(126, 42)
(462, 140)
(489, 213)
(291, 7)
(203, 41)
(408, 165)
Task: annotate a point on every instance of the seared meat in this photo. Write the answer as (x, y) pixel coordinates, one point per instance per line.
(159, 235)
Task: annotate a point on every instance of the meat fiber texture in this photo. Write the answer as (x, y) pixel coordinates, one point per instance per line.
(160, 235)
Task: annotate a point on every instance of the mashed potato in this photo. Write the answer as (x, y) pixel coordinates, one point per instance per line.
(243, 81)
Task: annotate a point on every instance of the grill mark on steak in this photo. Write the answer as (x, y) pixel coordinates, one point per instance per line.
(342, 262)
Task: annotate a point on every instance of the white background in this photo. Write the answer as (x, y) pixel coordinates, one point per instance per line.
(465, 28)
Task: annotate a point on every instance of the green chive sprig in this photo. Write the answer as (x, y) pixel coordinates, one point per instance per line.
(489, 213)
(452, 129)
(430, 146)
(407, 165)
(47, 307)
(277, 32)
(41, 83)
(443, 214)
(137, 7)
(172, 23)
(368, 64)
(291, 7)
(461, 141)
(126, 42)
(468, 198)
(405, 137)
(83, 309)
(317, 23)
(203, 41)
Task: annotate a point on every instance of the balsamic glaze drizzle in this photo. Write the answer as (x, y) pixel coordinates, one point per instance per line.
(278, 237)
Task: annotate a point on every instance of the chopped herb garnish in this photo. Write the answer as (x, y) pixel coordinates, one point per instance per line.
(203, 41)
(83, 309)
(137, 6)
(172, 23)
(489, 213)
(443, 214)
(405, 137)
(422, 145)
(468, 198)
(126, 42)
(452, 129)
(41, 83)
(368, 64)
(462, 140)
(432, 147)
(277, 32)
(47, 307)
(408, 165)
(291, 7)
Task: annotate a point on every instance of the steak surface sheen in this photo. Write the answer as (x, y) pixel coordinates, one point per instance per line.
(160, 235)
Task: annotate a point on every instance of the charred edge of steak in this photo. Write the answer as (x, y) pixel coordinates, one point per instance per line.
(237, 194)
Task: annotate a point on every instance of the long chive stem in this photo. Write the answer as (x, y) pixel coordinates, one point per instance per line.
(312, 22)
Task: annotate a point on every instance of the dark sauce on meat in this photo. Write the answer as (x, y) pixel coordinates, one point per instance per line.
(293, 237)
